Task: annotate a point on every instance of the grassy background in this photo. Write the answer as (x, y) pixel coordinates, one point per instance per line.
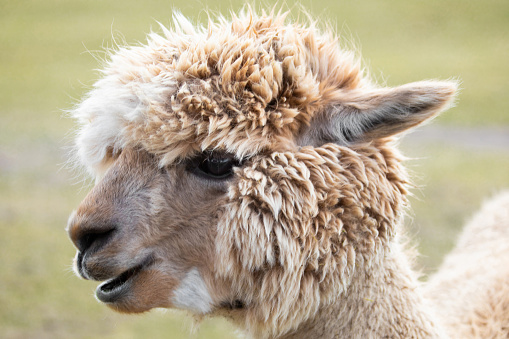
(45, 67)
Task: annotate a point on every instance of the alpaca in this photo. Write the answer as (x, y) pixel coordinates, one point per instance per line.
(476, 273)
(248, 170)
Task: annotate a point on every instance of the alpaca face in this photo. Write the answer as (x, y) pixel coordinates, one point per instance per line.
(243, 169)
(143, 230)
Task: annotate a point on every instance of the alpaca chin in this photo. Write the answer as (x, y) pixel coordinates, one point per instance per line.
(192, 294)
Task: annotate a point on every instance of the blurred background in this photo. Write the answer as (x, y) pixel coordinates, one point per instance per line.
(48, 52)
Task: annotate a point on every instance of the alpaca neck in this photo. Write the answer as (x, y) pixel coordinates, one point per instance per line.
(382, 302)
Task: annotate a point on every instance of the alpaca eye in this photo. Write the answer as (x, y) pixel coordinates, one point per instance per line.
(217, 168)
(213, 166)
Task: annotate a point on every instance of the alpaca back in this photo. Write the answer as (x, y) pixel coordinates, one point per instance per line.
(471, 288)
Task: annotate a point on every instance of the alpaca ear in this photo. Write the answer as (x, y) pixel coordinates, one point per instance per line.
(366, 115)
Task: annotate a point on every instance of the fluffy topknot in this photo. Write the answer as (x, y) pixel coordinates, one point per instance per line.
(244, 85)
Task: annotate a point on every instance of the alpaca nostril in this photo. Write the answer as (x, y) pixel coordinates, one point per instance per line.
(93, 238)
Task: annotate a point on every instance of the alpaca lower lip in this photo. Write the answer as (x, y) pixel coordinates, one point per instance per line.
(114, 289)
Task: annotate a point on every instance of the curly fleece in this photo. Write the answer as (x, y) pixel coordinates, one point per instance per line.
(297, 224)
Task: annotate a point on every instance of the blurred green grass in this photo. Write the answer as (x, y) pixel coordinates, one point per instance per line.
(45, 67)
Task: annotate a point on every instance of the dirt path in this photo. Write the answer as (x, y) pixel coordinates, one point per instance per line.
(483, 139)
(478, 139)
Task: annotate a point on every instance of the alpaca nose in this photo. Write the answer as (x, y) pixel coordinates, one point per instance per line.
(89, 236)
(95, 238)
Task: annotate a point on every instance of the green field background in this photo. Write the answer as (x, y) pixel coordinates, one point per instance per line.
(48, 51)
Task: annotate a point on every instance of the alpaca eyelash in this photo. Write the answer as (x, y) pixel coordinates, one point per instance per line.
(213, 165)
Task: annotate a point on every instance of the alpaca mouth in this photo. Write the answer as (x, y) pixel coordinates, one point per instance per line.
(116, 288)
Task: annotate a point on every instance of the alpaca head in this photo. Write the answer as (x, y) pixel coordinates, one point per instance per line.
(243, 169)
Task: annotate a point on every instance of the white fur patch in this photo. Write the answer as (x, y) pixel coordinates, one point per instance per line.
(192, 294)
(115, 102)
